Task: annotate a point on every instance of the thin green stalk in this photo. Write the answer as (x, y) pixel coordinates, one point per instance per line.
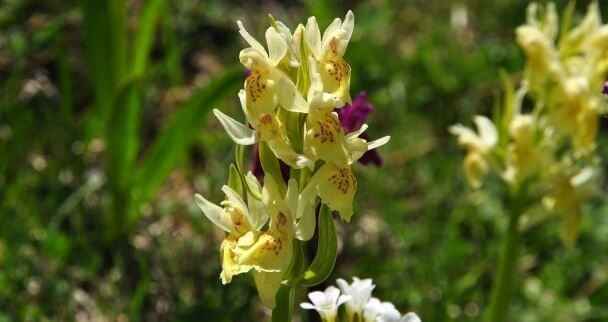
(506, 280)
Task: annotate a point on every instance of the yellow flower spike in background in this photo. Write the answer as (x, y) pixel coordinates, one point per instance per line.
(567, 195)
(524, 157)
(547, 156)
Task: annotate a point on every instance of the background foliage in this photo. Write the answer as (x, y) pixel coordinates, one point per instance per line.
(105, 137)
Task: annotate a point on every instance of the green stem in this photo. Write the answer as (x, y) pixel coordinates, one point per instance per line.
(505, 281)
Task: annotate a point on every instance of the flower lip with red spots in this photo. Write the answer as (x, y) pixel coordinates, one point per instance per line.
(352, 116)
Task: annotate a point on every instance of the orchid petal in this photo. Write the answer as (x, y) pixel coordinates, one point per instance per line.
(289, 96)
(277, 48)
(250, 40)
(238, 132)
(378, 143)
(214, 213)
(312, 35)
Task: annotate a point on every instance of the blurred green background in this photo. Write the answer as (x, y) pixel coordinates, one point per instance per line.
(105, 136)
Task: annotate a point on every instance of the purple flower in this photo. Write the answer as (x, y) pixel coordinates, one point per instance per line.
(605, 88)
(352, 116)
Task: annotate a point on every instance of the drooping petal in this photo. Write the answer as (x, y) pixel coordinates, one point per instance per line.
(214, 213)
(238, 132)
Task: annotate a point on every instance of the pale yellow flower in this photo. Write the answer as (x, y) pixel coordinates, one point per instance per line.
(324, 137)
(479, 146)
(267, 87)
(328, 52)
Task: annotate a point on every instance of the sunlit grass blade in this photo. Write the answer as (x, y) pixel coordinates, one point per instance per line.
(105, 35)
(171, 145)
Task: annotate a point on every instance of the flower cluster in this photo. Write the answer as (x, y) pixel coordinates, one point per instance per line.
(551, 149)
(296, 103)
(359, 303)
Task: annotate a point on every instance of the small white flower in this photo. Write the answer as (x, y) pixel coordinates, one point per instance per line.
(483, 141)
(410, 317)
(360, 291)
(376, 311)
(372, 310)
(388, 313)
(326, 303)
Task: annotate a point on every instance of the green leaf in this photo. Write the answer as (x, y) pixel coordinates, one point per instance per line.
(239, 158)
(271, 166)
(105, 33)
(179, 134)
(325, 259)
(145, 35)
(235, 181)
(285, 300)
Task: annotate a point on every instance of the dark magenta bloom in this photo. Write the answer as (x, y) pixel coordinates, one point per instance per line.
(352, 116)
(605, 89)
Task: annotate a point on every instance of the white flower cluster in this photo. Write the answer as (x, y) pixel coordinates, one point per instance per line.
(359, 303)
